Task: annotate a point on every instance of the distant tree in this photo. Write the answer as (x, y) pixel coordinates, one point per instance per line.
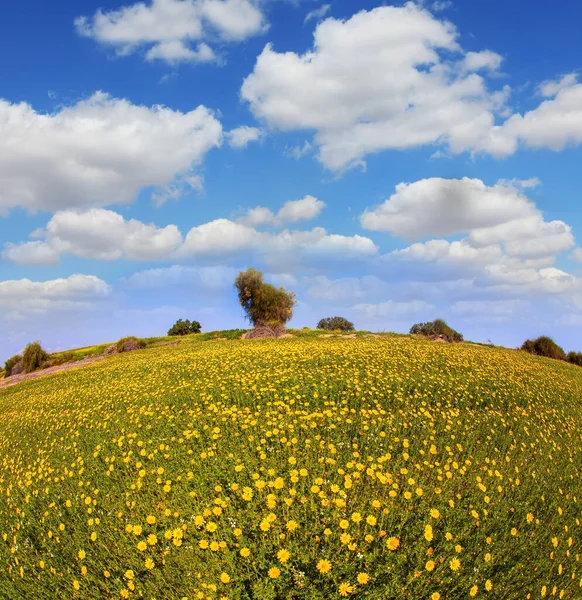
(263, 303)
(575, 358)
(33, 357)
(10, 364)
(336, 323)
(544, 346)
(436, 328)
(184, 327)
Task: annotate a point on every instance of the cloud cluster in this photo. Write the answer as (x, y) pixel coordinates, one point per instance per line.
(174, 31)
(499, 220)
(106, 235)
(291, 212)
(419, 88)
(100, 151)
(75, 292)
(409, 94)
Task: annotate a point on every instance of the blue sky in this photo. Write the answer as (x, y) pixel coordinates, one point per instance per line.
(391, 163)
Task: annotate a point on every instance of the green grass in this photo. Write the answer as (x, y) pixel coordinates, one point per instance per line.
(454, 470)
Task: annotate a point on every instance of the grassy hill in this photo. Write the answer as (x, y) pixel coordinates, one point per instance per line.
(305, 468)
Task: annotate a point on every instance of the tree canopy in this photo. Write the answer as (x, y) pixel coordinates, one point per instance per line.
(263, 303)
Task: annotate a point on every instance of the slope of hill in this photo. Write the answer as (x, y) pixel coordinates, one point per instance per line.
(299, 468)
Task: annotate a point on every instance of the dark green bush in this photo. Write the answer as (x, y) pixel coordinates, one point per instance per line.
(335, 323)
(436, 328)
(575, 358)
(181, 327)
(9, 364)
(33, 357)
(544, 346)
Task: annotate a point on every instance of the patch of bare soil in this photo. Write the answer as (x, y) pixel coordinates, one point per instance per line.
(14, 379)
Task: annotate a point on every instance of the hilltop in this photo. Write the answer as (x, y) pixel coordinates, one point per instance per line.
(305, 468)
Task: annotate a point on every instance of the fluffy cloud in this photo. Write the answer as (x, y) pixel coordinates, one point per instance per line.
(491, 215)
(439, 206)
(98, 152)
(96, 233)
(76, 291)
(31, 253)
(240, 137)
(554, 124)
(286, 250)
(169, 29)
(408, 95)
(291, 212)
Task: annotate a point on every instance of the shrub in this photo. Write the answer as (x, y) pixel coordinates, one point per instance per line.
(33, 357)
(544, 346)
(130, 343)
(575, 358)
(436, 328)
(263, 303)
(10, 363)
(333, 323)
(181, 327)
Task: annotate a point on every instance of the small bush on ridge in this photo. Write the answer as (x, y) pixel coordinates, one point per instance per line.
(436, 328)
(575, 358)
(135, 342)
(9, 364)
(33, 357)
(333, 323)
(544, 346)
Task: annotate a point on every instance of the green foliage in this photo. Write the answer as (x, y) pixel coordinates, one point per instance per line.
(263, 303)
(33, 357)
(9, 364)
(436, 328)
(335, 323)
(544, 346)
(181, 327)
(575, 358)
(139, 343)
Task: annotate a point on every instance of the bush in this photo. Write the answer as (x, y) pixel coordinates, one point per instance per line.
(544, 346)
(575, 358)
(334, 323)
(10, 363)
(263, 303)
(436, 328)
(130, 343)
(184, 327)
(33, 357)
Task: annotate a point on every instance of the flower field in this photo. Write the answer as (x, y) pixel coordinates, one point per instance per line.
(378, 468)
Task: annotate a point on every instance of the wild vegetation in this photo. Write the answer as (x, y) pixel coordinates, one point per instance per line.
(304, 468)
(336, 324)
(181, 327)
(264, 304)
(436, 329)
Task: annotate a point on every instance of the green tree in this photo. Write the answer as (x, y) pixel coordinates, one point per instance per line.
(263, 303)
(181, 327)
(33, 357)
(336, 323)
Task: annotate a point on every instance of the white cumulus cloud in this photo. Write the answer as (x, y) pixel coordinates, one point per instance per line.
(305, 209)
(408, 95)
(76, 291)
(100, 151)
(173, 30)
(242, 136)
